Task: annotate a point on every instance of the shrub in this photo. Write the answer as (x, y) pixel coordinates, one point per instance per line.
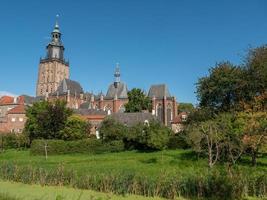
(177, 141)
(13, 141)
(55, 147)
(152, 136)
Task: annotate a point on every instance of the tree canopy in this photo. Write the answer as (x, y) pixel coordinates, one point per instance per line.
(138, 101)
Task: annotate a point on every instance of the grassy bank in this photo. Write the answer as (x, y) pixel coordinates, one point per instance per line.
(19, 191)
(168, 174)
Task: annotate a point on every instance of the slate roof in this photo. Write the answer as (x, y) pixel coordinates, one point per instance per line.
(66, 84)
(121, 91)
(159, 91)
(82, 111)
(131, 119)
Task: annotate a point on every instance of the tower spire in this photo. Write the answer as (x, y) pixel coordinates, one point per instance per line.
(117, 73)
(56, 28)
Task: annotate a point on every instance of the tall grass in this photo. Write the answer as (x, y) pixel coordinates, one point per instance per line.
(213, 184)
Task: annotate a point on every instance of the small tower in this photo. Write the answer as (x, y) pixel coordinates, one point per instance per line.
(53, 68)
(117, 76)
(55, 48)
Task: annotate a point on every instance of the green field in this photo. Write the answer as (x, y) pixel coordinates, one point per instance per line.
(21, 191)
(154, 167)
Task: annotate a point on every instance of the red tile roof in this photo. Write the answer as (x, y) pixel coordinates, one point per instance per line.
(7, 100)
(20, 109)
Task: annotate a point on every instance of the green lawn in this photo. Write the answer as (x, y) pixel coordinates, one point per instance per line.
(21, 191)
(153, 166)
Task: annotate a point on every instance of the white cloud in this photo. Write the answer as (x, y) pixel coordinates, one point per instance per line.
(5, 93)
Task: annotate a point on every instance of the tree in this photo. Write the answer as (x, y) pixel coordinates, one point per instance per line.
(75, 128)
(111, 130)
(46, 120)
(148, 136)
(222, 89)
(256, 72)
(219, 138)
(185, 107)
(138, 101)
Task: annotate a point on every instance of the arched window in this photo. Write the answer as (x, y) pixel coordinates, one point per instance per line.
(169, 113)
(159, 112)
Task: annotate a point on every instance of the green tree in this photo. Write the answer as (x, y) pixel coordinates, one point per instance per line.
(256, 72)
(221, 89)
(75, 128)
(148, 136)
(138, 101)
(219, 138)
(111, 130)
(46, 120)
(185, 107)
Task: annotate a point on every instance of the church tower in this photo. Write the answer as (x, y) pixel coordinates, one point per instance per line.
(53, 68)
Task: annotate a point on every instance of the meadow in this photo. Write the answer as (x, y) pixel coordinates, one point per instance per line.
(171, 174)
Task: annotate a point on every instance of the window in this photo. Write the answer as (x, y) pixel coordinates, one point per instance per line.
(21, 119)
(13, 119)
(184, 117)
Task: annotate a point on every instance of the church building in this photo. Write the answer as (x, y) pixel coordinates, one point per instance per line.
(54, 83)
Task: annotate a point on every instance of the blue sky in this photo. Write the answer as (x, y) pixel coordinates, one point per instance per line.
(155, 41)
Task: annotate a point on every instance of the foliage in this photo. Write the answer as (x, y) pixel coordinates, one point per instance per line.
(178, 141)
(46, 120)
(89, 146)
(185, 107)
(151, 136)
(13, 141)
(256, 72)
(138, 101)
(255, 132)
(219, 138)
(112, 130)
(220, 90)
(75, 128)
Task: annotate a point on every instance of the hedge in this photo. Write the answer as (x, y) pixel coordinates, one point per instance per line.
(13, 141)
(55, 147)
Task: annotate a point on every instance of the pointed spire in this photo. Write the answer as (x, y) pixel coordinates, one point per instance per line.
(56, 28)
(117, 73)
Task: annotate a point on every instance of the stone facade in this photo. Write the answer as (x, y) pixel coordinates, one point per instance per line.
(51, 73)
(53, 68)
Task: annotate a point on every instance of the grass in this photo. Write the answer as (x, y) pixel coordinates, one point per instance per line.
(151, 164)
(154, 166)
(19, 191)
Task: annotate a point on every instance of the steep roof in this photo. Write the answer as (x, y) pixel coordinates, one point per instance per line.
(20, 109)
(66, 84)
(120, 89)
(159, 91)
(131, 119)
(7, 100)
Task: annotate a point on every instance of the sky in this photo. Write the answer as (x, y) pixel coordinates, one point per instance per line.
(155, 41)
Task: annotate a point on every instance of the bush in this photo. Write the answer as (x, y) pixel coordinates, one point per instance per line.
(178, 141)
(55, 147)
(13, 141)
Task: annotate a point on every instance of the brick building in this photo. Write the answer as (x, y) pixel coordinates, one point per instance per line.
(12, 113)
(54, 83)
